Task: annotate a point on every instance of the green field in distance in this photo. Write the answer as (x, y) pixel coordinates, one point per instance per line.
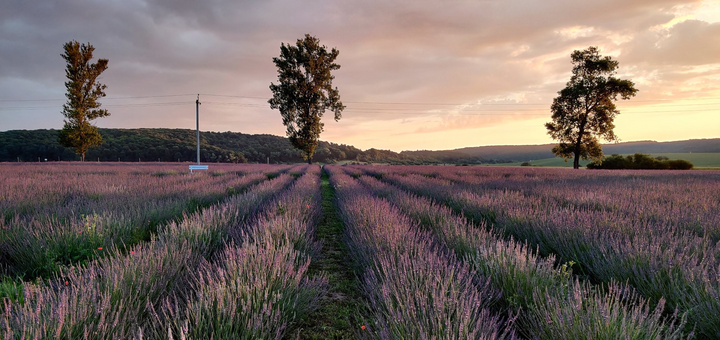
(699, 160)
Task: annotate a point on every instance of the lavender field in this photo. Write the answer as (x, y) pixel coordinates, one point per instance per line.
(124, 251)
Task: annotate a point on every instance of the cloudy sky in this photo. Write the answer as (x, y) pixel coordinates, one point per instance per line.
(415, 74)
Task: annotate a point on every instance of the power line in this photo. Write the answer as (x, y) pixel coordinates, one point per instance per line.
(367, 102)
(161, 96)
(232, 96)
(416, 109)
(654, 111)
(148, 104)
(403, 111)
(536, 104)
(30, 100)
(16, 108)
(486, 104)
(104, 98)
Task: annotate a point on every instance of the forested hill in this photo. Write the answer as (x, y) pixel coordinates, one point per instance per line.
(167, 145)
(171, 145)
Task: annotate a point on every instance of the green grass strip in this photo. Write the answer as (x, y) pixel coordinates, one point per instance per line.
(340, 308)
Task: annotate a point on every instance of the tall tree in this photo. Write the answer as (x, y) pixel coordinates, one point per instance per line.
(305, 91)
(83, 92)
(584, 109)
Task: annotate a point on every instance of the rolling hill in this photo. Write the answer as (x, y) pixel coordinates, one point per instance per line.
(173, 145)
(526, 153)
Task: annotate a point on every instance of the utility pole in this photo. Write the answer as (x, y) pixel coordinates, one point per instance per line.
(197, 126)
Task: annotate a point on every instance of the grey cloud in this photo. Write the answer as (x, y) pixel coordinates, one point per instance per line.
(391, 51)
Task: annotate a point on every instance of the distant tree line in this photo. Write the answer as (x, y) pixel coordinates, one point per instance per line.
(173, 145)
(641, 161)
(166, 145)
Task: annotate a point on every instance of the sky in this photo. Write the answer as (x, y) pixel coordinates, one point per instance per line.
(415, 74)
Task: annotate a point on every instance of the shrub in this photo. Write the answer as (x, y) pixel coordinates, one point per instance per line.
(680, 164)
(641, 161)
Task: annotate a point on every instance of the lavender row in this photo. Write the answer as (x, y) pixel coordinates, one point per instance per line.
(38, 246)
(63, 197)
(113, 297)
(661, 261)
(415, 290)
(546, 297)
(62, 191)
(683, 199)
(258, 287)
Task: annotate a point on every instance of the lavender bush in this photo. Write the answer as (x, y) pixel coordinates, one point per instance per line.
(415, 290)
(520, 275)
(124, 210)
(258, 287)
(113, 297)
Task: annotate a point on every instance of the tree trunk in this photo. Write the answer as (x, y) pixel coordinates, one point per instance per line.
(310, 160)
(576, 162)
(82, 158)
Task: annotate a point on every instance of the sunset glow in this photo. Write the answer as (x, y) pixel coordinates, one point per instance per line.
(414, 74)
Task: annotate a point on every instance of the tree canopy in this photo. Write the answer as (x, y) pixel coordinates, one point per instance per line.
(584, 109)
(83, 92)
(304, 91)
(641, 161)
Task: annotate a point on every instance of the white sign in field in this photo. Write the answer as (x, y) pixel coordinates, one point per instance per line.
(198, 167)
